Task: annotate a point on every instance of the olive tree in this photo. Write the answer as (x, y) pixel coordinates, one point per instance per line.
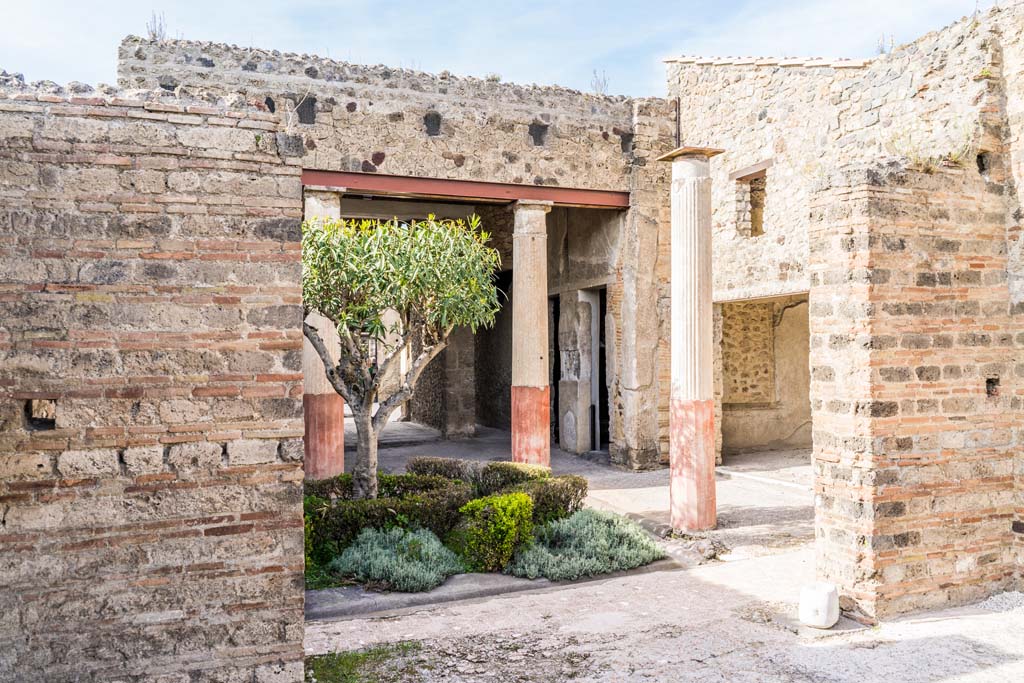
(391, 288)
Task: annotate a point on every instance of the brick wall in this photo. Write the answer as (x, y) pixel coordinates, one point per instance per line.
(916, 389)
(150, 269)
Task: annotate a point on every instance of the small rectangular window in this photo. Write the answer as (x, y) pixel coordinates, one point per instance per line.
(751, 194)
(757, 193)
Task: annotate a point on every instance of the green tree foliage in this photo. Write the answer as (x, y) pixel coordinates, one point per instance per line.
(392, 288)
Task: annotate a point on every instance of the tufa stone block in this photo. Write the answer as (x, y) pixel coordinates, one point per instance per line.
(252, 451)
(140, 460)
(100, 462)
(195, 455)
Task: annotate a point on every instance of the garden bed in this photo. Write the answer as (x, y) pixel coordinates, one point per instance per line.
(447, 517)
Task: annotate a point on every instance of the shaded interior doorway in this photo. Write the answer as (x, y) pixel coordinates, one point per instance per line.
(554, 362)
(603, 419)
(766, 380)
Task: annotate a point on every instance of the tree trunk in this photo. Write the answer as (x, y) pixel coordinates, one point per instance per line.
(364, 473)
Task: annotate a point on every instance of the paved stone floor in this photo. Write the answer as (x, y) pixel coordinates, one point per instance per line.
(731, 620)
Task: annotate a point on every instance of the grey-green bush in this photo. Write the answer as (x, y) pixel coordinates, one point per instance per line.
(397, 559)
(586, 544)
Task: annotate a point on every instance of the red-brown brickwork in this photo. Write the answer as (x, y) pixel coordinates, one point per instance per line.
(149, 284)
(916, 387)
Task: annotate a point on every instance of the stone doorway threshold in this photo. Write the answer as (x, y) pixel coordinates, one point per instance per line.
(349, 602)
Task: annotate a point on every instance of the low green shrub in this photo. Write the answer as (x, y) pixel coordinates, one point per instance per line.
(398, 559)
(554, 497)
(492, 529)
(487, 478)
(407, 501)
(496, 476)
(588, 543)
(449, 468)
(388, 485)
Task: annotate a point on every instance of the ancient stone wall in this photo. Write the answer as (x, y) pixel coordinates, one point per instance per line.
(150, 385)
(916, 388)
(748, 353)
(400, 122)
(1004, 132)
(639, 299)
(803, 117)
(345, 117)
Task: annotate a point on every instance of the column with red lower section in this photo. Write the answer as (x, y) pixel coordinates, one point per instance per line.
(531, 425)
(692, 405)
(324, 435)
(531, 393)
(323, 409)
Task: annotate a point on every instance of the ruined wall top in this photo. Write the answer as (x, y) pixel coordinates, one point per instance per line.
(162, 64)
(925, 104)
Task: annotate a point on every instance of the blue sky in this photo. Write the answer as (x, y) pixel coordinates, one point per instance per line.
(525, 41)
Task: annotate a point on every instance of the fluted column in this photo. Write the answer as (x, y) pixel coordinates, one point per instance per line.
(531, 392)
(692, 404)
(323, 409)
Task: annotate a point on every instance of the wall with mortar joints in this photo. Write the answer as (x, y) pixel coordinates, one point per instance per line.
(375, 119)
(1004, 126)
(914, 446)
(776, 348)
(372, 119)
(150, 285)
(923, 100)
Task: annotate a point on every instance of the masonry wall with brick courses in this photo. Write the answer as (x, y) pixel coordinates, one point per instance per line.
(916, 389)
(639, 299)
(150, 268)
(921, 101)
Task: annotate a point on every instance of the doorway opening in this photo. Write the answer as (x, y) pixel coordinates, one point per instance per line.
(766, 408)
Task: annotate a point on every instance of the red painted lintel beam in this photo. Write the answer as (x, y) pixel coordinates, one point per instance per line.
(434, 188)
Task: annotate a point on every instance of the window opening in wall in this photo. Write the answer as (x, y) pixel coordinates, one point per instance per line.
(751, 195)
(756, 209)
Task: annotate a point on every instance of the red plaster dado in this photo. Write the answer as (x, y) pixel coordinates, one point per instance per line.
(692, 463)
(531, 425)
(324, 435)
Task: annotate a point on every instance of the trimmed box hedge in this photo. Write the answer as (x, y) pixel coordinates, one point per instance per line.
(493, 528)
(406, 500)
(487, 478)
(553, 497)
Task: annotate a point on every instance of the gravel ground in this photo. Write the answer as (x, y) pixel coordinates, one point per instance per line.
(729, 622)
